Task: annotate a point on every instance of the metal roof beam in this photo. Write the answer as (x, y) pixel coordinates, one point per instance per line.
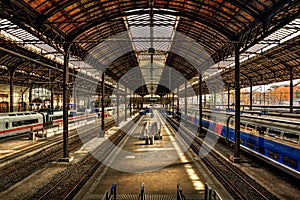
(254, 35)
(224, 32)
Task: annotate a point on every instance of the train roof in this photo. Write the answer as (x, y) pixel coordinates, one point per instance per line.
(18, 113)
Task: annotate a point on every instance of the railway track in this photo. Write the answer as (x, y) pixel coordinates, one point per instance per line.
(21, 168)
(75, 176)
(238, 184)
(47, 144)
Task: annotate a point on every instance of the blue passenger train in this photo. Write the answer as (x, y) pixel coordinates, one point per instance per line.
(274, 140)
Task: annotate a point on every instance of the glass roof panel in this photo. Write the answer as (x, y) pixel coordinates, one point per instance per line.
(158, 37)
(284, 34)
(29, 41)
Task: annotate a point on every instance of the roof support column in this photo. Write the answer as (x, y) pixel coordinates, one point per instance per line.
(215, 99)
(173, 104)
(200, 105)
(251, 93)
(30, 97)
(130, 103)
(23, 92)
(52, 98)
(125, 102)
(185, 100)
(51, 91)
(178, 99)
(11, 90)
(204, 101)
(228, 97)
(102, 133)
(166, 101)
(291, 90)
(65, 104)
(75, 100)
(118, 104)
(237, 102)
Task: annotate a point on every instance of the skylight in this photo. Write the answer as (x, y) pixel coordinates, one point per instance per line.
(14, 33)
(281, 36)
(158, 38)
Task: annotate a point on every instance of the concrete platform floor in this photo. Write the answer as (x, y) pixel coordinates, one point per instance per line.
(160, 167)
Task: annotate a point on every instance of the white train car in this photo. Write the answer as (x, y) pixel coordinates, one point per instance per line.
(20, 122)
(73, 116)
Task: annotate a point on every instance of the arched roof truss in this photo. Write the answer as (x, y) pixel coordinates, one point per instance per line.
(213, 24)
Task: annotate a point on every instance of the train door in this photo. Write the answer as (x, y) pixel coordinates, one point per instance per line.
(6, 125)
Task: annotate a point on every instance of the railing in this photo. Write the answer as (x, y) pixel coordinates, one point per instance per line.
(180, 196)
(112, 195)
(210, 194)
(142, 194)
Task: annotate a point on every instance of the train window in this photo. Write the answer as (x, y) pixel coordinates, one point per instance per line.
(25, 122)
(6, 125)
(19, 114)
(261, 129)
(242, 124)
(57, 117)
(274, 133)
(291, 137)
(289, 161)
(250, 145)
(260, 149)
(27, 113)
(11, 115)
(273, 154)
(252, 126)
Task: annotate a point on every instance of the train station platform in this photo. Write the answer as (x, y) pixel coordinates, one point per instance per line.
(159, 167)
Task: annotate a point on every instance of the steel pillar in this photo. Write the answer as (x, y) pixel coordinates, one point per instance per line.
(200, 104)
(173, 104)
(118, 104)
(215, 99)
(23, 92)
(65, 103)
(125, 102)
(102, 133)
(291, 90)
(130, 103)
(52, 98)
(237, 99)
(228, 97)
(30, 97)
(178, 99)
(11, 90)
(251, 94)
(51, 91)
(185, 99)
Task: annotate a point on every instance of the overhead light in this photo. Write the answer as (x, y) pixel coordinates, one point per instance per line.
(151, 50)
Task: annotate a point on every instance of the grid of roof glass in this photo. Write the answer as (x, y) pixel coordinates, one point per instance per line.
(159, 37)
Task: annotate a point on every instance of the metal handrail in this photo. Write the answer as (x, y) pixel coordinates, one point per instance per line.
(210, 194)
(112, 195)
(180, 196)
(142, 194)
